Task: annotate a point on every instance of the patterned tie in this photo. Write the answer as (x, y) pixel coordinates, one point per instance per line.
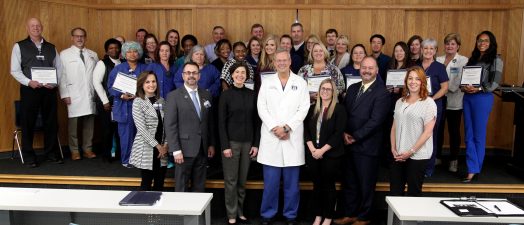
(82, 56)
(360, 92)
(195, 103)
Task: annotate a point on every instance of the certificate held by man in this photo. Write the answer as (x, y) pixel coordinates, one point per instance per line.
(313, 82)
(44, 75)
(471, 75)
(395, 78)
(125, 83)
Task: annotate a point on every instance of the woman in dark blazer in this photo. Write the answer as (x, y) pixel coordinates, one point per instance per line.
(324, 128)
(149, 151)
(239, 136)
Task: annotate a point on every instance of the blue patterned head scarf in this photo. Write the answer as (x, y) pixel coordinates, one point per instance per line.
(132, 45)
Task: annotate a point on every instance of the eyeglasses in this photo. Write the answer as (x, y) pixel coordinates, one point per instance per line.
(479, 41)
(326, 89)
(191, 73)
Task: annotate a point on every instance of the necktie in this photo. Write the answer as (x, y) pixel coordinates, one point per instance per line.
(360, 92)
(195, 102)
(82, 56)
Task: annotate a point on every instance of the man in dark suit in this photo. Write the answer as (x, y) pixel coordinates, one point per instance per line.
(367, 105)
(297, 50)
(189, 131)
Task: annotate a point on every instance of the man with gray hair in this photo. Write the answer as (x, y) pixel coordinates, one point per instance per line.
(283, 103)
(77, 92)
(35, 96)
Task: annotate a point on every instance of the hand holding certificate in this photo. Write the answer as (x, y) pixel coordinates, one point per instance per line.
(395, 78)
(471, 75)
(44, 75)
(313, 82)
(125, 83)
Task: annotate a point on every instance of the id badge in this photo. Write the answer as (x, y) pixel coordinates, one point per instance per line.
(454, 71)
(40, 57)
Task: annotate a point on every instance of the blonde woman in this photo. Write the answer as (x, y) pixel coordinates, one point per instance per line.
(323, 132)
(342, 56)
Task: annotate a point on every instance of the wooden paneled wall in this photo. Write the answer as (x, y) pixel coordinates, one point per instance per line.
(395, 19)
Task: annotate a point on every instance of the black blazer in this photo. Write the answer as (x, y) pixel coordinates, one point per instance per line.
(331, 131)
(184, 130)
(366, 117)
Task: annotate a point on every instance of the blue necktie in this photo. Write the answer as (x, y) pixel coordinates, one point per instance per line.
(195, 102)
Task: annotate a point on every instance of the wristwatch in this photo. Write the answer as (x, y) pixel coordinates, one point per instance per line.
(286, 129)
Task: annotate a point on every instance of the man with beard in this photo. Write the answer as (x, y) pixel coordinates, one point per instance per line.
(367, 105)
(103, 103)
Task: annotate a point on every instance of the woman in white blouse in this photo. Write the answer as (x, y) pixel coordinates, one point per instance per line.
(411, 142)
(453, 114)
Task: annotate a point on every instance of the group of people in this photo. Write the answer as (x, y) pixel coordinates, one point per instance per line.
(254, 101)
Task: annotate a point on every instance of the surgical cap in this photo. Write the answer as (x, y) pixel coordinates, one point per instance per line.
(132, 45)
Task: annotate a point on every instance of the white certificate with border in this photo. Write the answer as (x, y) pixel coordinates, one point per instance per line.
(428, 84)
(44, 75)
(395, 78)
(313, 82)
(350, 79)
(471, 75)
(264, 75)
(249, 84)
(125, 83)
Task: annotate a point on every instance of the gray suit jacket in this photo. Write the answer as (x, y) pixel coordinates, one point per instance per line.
(184, 130)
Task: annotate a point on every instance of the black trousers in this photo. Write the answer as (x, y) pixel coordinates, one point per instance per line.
(158, 174)
(454, 118)
(324, 174)
(441, 127)
(34, 101)
(108, 129)
(411, 172)
(359, 184)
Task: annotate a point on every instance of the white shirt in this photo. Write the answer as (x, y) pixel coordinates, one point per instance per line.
(16, 66)
(98, 77)
(210, 52)
(298, 46)
(410, 120)
(454, 70)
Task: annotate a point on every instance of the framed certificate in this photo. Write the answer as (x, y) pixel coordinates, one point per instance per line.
(313, 82)
(471, 75)
(125, 83)
(44, 75)
(249, 84)
(350, 79)
(264, 75)
(395, 78)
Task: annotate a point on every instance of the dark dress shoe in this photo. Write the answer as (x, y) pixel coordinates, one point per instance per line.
(31, 164)
(468, 180)
(55, 160)
(265, 222)
(292, 222)
(241, 221)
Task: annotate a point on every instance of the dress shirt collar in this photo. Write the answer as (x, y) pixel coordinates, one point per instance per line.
(189, 90)
(298, 46)
(366, 86)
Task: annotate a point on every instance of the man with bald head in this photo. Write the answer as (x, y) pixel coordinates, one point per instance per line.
(367, 105)
(36, 97)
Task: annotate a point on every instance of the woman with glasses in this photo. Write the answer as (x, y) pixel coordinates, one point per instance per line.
(323, 133)
(478, 101)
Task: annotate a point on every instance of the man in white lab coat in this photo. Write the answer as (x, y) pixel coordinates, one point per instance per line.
(76, 90)
(283, 103)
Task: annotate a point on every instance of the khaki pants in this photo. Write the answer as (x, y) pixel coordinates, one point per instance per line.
(88, 123)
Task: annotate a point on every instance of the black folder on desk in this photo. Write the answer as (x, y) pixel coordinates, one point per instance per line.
(141, 198)
(483, 207)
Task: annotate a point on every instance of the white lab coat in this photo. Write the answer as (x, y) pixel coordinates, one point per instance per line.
(76, 81)
(277, 107)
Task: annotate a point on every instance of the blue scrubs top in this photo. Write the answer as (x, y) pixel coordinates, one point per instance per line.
(122, 109)
(164, 77)
(209, 79)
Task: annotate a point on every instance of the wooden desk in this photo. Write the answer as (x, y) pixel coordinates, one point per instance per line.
(414, 210)
(96, 202)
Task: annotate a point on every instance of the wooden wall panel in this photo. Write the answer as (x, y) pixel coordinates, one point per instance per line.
(395, 19)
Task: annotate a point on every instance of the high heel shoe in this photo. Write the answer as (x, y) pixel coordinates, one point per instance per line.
(475, 177)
